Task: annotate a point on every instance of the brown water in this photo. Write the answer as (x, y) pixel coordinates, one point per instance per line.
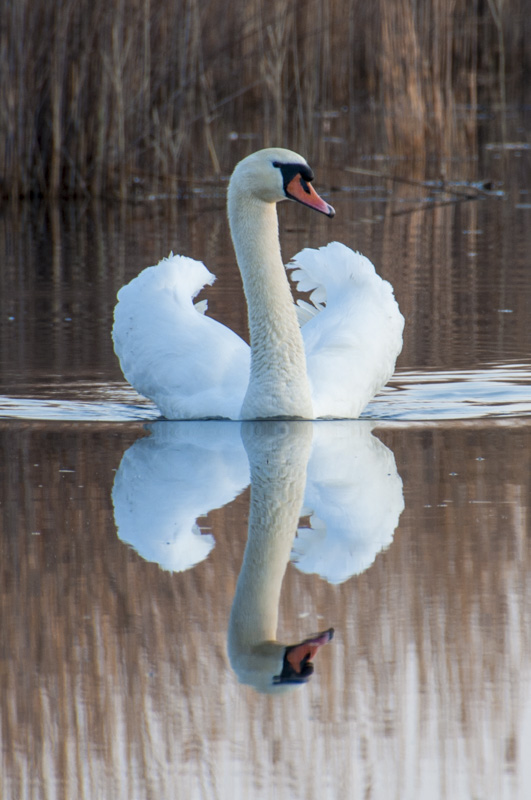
(414, 540)
(461, 272)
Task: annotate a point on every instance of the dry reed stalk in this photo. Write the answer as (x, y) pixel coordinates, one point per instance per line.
(403, 78)
(102, 98)
(275, 50)
(496, 8)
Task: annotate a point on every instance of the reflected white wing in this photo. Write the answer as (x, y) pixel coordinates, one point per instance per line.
(169, 479)
(189, 364)
(354, 499)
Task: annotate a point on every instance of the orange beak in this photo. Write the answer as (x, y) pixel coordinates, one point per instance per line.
(302, 191)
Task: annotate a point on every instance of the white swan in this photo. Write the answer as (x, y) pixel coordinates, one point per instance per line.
(193, 367)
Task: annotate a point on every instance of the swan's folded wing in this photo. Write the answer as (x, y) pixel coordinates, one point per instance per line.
(190, 365)
(352, 328)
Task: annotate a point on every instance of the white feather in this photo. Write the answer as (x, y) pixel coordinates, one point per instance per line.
(190, 365)
(353, 333)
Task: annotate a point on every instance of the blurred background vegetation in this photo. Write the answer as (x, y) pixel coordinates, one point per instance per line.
(119, 98)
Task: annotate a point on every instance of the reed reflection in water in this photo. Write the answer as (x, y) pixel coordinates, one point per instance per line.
(115, 679)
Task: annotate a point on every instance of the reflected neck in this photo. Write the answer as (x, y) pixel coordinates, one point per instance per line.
(278, 455)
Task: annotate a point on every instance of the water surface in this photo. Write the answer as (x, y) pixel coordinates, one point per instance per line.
(123, 536)
(115, 675)
(461, 273)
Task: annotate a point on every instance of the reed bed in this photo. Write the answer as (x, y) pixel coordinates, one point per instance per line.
(132, 96)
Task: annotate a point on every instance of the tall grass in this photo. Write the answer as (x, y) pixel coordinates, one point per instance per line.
(112, 98)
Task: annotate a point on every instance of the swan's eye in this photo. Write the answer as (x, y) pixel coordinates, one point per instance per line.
(306, 174)
(305, 186)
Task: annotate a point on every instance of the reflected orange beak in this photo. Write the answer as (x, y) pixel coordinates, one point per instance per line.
(297, 666)
(300, 655)
(302, 191)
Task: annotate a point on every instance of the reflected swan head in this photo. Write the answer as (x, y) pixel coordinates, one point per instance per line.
(276, 668)
(278, 456)
(297, 666)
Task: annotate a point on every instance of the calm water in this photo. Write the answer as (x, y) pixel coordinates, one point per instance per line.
(130, 619)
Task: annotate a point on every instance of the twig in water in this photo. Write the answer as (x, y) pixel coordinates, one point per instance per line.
(470, 192)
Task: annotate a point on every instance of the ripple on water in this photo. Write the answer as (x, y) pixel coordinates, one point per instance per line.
(497, 391)
(83, 402)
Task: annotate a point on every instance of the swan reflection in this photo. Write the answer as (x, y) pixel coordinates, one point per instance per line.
(336, 475)
(168, 480)
(353, 499)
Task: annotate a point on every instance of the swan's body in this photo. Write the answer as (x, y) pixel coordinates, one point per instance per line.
(193, 367)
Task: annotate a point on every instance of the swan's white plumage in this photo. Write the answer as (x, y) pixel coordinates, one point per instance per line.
(189, 364)
(352, 330)
(193, 367)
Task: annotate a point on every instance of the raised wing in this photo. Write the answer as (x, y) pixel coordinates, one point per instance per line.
(190, 365)
(352, 328)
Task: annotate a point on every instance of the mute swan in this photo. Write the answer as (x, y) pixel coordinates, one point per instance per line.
(193, 367)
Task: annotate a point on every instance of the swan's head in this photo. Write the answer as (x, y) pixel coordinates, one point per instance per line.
(275, 174)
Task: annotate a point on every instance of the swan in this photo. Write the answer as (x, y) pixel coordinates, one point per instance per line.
(326, 357)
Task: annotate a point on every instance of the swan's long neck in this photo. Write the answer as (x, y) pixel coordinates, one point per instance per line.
(278, 456)
(278, 384)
